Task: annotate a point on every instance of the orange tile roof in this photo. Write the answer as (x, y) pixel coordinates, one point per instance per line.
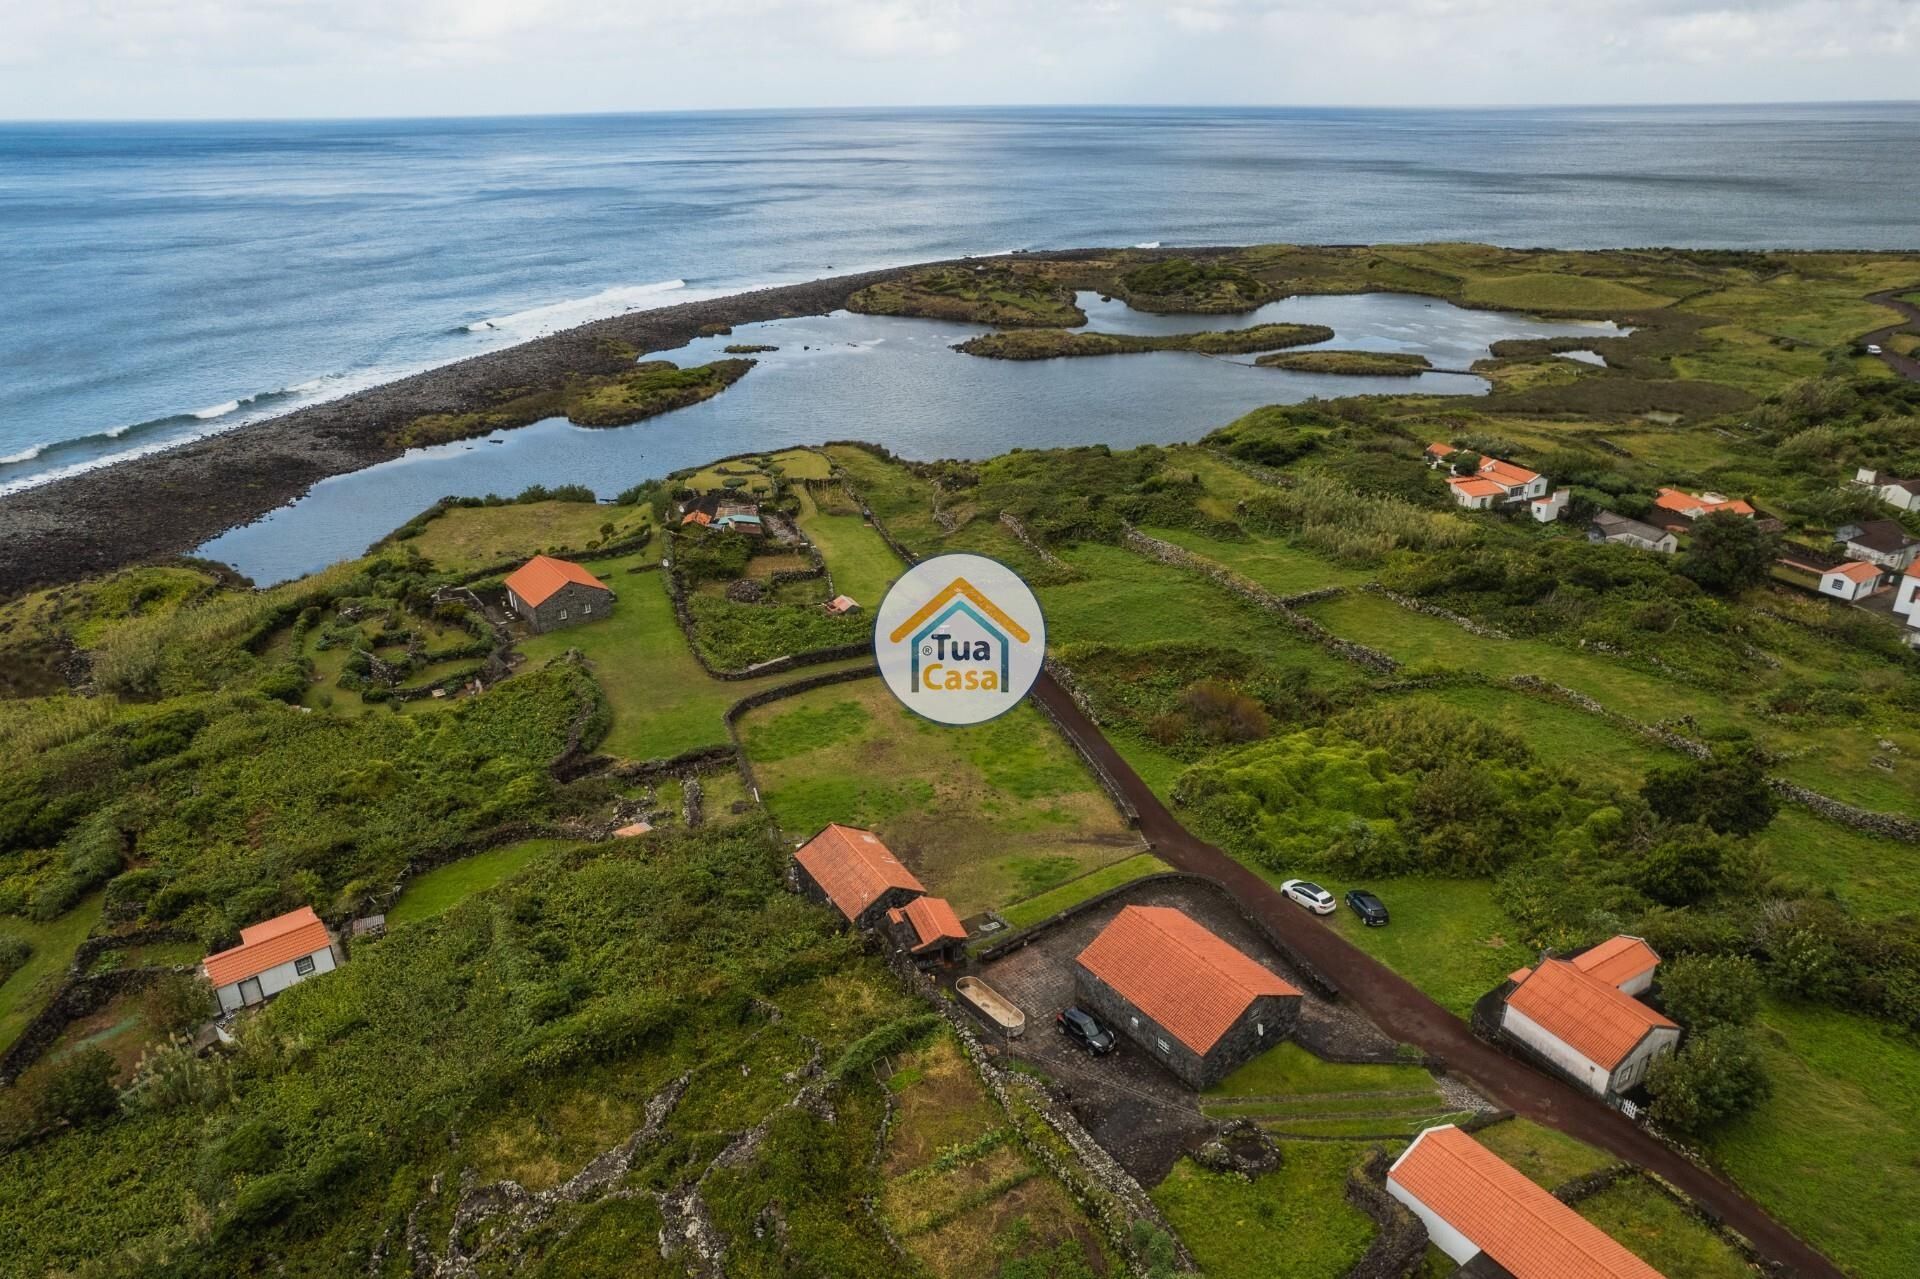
(1516, 1223)
(1438, 449)
(1178, 973)
(1587, 1014)
(1507, 473)
(933, 920)
(537, 579)
(1859, 571)
(1617, 960)
(854, 868)
(1477, 486)
(267, 945)
(1519, 975)
(1687, 503)
(695, 517)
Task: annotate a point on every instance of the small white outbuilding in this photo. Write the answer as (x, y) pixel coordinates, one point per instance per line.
(271, 956)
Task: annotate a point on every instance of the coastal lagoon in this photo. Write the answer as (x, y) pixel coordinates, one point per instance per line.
(896, 382)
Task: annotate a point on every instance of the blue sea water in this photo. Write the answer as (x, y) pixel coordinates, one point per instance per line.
(165, 280)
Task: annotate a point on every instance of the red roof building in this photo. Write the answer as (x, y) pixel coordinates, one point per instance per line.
(1194, 1002)
(271, 956)
(927, 927)
(537, 579)
(1625, 963)
(851, 869)
(1474, 1202)
(1586, 1027)
(1686, 504)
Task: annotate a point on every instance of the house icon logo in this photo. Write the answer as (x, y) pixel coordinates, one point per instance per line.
(959, 638)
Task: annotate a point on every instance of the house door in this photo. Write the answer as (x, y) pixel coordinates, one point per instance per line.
(250, 991)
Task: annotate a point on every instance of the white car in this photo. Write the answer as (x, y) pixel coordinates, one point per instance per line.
(1872, 349)
(1309, 894)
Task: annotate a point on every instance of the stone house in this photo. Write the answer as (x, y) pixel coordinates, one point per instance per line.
(852, 871)
(551, 593)
(928, 929)
(272, 955)
(1580, 1015)
(1197, 1005)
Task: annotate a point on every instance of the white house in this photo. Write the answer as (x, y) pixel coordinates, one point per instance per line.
(1493, 481)
(1856, 579)
(1547, 509)
(1902, 494)
(1581, 1015)
(1906, 603)
(1474, 1203)
(1883, 542)
(271, 956)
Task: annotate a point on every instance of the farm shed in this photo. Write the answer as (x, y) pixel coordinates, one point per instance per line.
(272, 955)
(851, 870)
(927, 928)
(552, 593)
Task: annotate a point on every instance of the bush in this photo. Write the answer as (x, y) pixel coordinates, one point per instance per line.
(15, 951)
(1716, 1075)
(1704, 991)
(80, 1089)
(1728, 553)
(1688, 864)
(177, 1002)
(1728, 792)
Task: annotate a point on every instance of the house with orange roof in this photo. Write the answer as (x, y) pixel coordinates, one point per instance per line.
(1491, 1219)
(1579, 1016)
(553, 593)
(1854, 580)
(1677, 509)
(841, 605)
(854, 872)
(1196, 1004)
(272, 955)
(927, 928)
(1495, 481)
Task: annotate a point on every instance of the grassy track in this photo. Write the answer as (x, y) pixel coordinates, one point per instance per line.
(862, 565)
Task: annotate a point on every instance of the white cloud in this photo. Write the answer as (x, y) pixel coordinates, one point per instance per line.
(333, 57)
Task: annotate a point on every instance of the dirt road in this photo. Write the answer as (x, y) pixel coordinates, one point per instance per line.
(1401, 1010)
(1905, 365)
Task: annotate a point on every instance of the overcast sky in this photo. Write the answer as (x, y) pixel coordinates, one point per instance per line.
(256, 58)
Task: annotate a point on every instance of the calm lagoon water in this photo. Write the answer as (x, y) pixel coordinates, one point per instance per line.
(895, 382)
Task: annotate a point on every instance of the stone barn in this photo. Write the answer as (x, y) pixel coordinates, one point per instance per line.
(928, 929)
(1197, 1005)
(852, 871)
(553, 593)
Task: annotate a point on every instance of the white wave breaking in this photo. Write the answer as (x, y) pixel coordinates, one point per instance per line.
(24, 455)
(1147, 244)
(218, 410)
(539, 321)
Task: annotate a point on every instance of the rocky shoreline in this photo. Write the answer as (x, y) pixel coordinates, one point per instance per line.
(168, 503)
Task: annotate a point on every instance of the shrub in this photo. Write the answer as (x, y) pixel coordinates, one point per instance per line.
(80, 1089)
(1728, 792)
(1688, 864)
(1716, 1075)
(1728, 553)
(1704, 991)
(15, 951)
(177, 1002)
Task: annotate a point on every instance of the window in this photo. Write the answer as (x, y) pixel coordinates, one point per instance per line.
(563, 614)
(1165, 1047)
(586, 610)
(1135, 1021)
(1260, 1029)
(303, 965)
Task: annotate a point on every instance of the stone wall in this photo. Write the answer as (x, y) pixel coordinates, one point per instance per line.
(1108, 782)
(1400, 1239)
(1885, 825)
(767, 695)
(1026, 539)
(77, 997)
(1412, 605)
(1178, 556)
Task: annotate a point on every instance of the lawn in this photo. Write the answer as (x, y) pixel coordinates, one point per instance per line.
(860, 563)
(468, 538)
(446, 886)
(1292, 1093)
(802, 464)
(984, 815)
(1662, 1233)
(27, 991)
(1868, 874)
(1446, 936)
(1073, 892)
(1549, 1158)
(1831, 1153)
(1278, 565)
(1291, 1223)
(1558, 733)
(663, 702)
(1541, 291)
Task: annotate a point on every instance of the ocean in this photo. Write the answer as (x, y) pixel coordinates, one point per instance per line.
(168, 280)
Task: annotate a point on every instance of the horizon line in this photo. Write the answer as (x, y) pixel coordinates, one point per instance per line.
(882, 108)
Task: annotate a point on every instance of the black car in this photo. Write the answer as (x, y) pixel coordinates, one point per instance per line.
(1372, 911)
(1093, 1037)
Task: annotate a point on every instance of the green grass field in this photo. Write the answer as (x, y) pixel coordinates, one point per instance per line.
(1291, 1223)
(984, 815)
(1558, 733)
(663, 702)
(1446, 935)
(1662, 1233)
(1549, 1158)
(467, 538)
(861, 564)
(801, 464)
(1073, 892)
(1555, 292)
(27, 991)
(446, 886)
(1279, 566)
(1831, 1153)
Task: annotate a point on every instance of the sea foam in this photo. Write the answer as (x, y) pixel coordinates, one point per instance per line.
(554, 316)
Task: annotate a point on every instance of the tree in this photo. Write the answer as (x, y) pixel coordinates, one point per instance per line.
(1727, 553)
(1728, 792)
(1704, 991)
(1684, 867)
(1716, 1075)
(178, 1002)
